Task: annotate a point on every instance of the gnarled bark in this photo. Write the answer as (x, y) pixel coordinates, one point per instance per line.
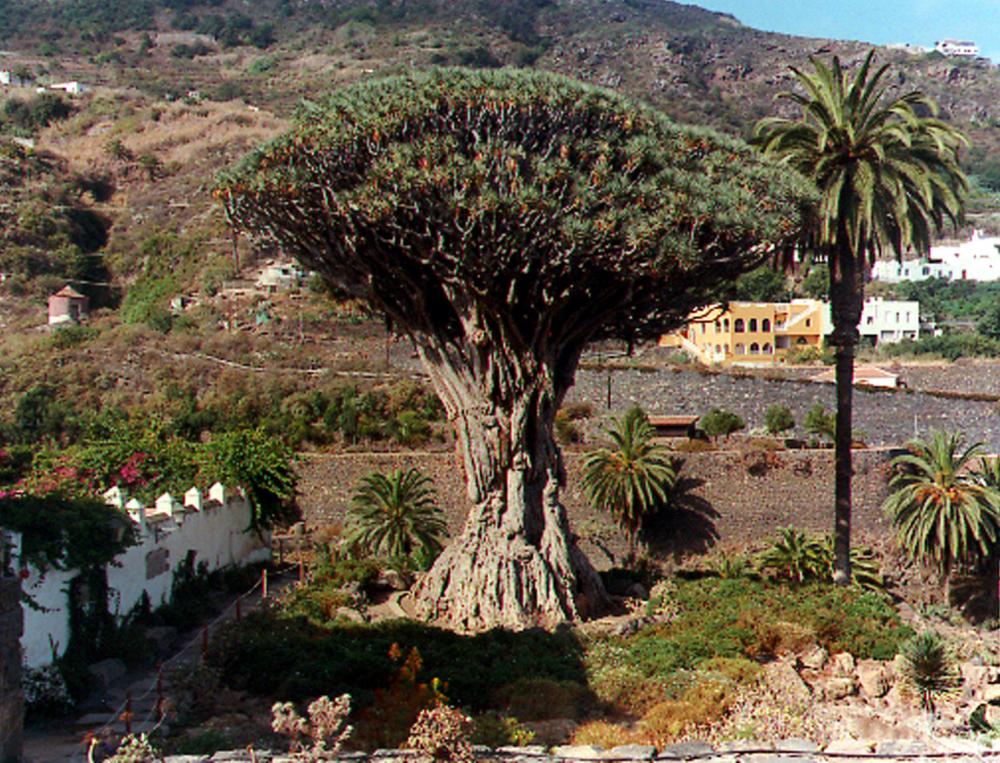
(515, 564)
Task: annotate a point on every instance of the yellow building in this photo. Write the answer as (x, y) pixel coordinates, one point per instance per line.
(751, 332)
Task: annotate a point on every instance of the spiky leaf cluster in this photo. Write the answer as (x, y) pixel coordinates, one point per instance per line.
(633, 477)
(888, 174)
(563, 208)
(943, 513)
(396, 514)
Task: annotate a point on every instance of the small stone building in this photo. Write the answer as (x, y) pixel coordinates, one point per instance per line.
(68, 306)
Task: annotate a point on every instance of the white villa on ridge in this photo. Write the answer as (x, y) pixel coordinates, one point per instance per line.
(958, 48)
(977, 259)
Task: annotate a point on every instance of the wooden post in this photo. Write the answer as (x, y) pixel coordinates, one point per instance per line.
(302, 568)
(239, 612)
(263, 583)
(609, 389)
(204, 642)
(127, 715)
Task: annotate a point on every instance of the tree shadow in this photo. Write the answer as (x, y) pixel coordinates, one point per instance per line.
(974, 593)
(686, 526)
(393, 668)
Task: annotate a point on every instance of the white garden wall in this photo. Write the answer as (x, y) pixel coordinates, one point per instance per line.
(214, 528)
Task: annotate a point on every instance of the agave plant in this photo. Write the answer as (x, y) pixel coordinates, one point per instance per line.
(945, 515)
(632, 478)
(928, 667)
(800, 557)
(396, 515)
(796, 556)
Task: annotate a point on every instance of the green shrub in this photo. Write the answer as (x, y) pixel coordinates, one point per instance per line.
(496, 730)
(820, 422)
(778, 419)
(721, 423)
(70, 336)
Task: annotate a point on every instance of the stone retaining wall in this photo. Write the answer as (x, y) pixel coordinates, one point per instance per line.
(11, 698)
(787, 751)
(730, 497)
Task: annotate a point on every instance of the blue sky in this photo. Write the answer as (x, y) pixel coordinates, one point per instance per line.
(919, 22)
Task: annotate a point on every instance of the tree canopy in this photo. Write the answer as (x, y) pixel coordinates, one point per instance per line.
(567, 207)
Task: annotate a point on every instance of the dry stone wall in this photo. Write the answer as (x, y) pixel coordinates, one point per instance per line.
(11, 698)
(729, 497)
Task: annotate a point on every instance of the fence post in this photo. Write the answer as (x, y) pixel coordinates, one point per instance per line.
(263, 583)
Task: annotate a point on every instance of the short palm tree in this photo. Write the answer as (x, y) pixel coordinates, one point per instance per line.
(944, 514)
(396, 515)
(887, 177)
(632, 478)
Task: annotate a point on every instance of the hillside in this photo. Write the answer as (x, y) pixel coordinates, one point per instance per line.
(116, 198)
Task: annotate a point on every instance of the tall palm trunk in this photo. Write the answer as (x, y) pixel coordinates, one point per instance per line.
(847, 295)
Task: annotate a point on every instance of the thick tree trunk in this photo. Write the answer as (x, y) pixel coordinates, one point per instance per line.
(847, 301)
(515, 564)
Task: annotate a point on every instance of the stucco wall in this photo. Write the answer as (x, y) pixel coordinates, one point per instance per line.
(217, 534)
(730, 497)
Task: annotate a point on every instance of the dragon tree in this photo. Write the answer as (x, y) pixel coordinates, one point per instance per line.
(504, 220)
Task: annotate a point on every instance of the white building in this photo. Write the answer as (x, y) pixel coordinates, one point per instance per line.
(280, 276)
(10, 79)
(977, 259)
(960, 48)
(71, 88)
(884, 320)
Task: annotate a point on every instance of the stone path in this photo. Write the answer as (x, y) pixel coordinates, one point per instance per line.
(66, 741)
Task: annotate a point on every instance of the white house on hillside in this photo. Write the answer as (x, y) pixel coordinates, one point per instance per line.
(888, 321)
(71, 88)
(10, 79)
(960, 48)
(977, 259)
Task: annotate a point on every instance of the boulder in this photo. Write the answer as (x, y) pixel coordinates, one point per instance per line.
(874, 730)
(785, 681)
(975, 677)
(350, 614)
(836, 688)
(814, 658)
(843, 664)
(992, 715)
(871, 676)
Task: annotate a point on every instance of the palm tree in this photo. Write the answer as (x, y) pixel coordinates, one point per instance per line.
(945, 514)
(632, 478)
(396, 515)
(887, 177)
